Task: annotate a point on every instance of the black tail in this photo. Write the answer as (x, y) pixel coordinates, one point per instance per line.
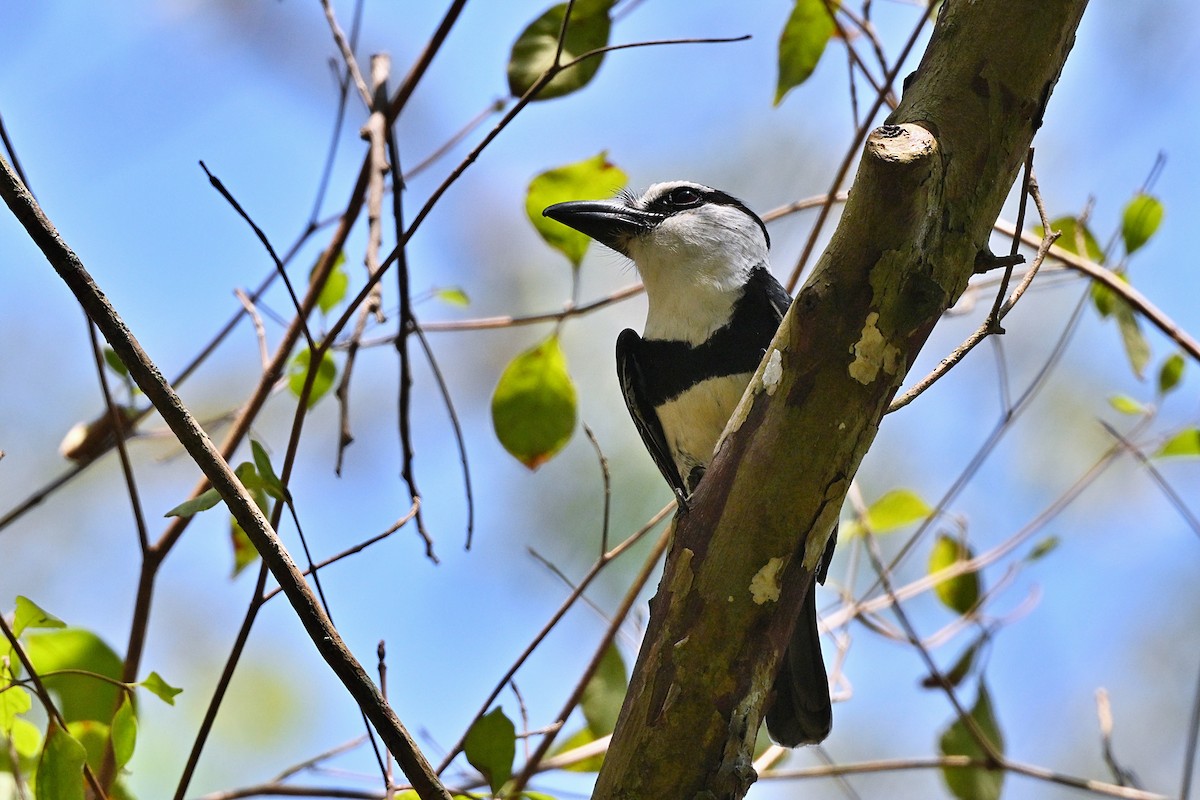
(801, 712)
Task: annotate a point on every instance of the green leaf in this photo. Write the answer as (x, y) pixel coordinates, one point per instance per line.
(1042, 549)
(533, 52)
(974, 783)
(298, 373)
(14, 700)
(335, 286)
(803, 40)
(60, 770)
(578, 739)
(123, 732)
(1127, 405)
(203, 502)
(602, 697)
(1184, 443)
(81, 697)
(115, 363)
(533, 407)
(244, 551)
(892, 511)
(164, 691)
(1137, 349)
(1143, 215)
(30, 615)
(961, 592)
(1076, 238)
(1170, 373)
(588, 179)
(453, 295)
(961, 669)
(25, 737)
(270, 481)
(490, 746)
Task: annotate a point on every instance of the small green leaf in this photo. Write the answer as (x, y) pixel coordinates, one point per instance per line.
(1076, 238)
(244, 552)
(203, 502)
(961, 669)
(81, 697)
(115, 363)
(801, 44)
(14, 700)
(490, 746)
(578, 739)
(60, 769)
(588, 179)
(533, 408)
(335, 286)
(1103, 298)
(974, 783)
(892, 511)
(270, 481)
(533, 52)
(26, 738)
(604, 693)
(164, 691)
(1142, 217)
(1127, 405)
(30, 615)
(1042, 549)
(1170, 373)
(1137, 349)
(322, 383)
(961, 592)
(124, 732)
(1184, 443)
(453, 295)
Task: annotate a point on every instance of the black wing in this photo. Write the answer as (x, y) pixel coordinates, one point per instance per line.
(633, 386)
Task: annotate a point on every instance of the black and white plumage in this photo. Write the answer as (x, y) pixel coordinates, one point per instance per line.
(714, 307)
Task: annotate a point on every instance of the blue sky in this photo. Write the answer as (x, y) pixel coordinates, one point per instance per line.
(110, 109)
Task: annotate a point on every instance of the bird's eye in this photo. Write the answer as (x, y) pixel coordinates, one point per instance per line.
(684, 197)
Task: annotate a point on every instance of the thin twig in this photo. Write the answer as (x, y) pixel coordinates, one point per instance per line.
(347, 53)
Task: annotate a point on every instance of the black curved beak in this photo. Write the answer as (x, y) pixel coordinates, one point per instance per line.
(609, 222)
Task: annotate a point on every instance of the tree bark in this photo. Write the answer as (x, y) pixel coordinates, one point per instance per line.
(930, 184)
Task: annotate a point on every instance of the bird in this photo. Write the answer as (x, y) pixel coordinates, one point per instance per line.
(714, 307)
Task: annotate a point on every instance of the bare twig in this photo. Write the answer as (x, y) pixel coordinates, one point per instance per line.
(347, 53)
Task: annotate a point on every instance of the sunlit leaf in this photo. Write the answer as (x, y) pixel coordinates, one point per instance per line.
(80, 697)
(590, 179)
(1137, 349)
(30, 615)
(892, 511)
(155, 684)
(25, 737)
(533, 408)
(578, 739)
(123, 732)
(115, 363)
(961, 592)
(1076, 238)
(1170, 373)
(534, 51)
(1184, 443)
(335, 286)
(490, 746)
(453, 295)
(602, 697)
(803, 40)
(1043, 548)
(202, 502)
(974, 783)
(270, 481)
(14, 700)
(1141, 219)
(1127, 405)
(298, 373)
(244, 552)
(60, 769)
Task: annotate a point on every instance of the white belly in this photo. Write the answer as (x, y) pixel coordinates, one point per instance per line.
(694, 421)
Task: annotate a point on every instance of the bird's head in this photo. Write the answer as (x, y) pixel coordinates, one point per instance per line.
(676, 233)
